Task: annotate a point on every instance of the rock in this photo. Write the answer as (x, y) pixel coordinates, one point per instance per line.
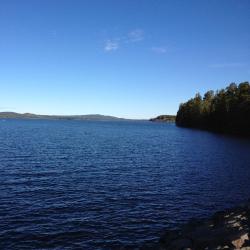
(168, 237)
(238, 243)
(180, 244)
(224, 230)
(218, 218)
(246, 243)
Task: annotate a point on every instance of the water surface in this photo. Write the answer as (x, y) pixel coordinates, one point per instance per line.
(111, 185)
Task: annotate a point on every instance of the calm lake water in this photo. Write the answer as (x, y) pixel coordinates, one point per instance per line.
(111, 185)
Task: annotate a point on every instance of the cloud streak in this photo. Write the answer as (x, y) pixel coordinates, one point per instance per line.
(133, 36)
(111, 45)
(136, 35)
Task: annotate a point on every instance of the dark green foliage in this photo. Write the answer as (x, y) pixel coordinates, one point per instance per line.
(164, 118)
(227, 111)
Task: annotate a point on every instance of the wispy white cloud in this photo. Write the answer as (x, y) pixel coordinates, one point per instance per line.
(227, 65)
(135, 35)
(159, 50)
(111, 45)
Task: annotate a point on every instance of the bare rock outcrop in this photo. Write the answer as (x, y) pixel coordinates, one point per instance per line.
(224, 230)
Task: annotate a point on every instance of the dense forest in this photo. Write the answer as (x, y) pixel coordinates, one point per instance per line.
(226, 110)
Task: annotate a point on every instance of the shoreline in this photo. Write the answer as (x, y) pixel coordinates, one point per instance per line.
(228, 229)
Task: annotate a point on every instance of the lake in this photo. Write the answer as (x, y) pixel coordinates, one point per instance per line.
(112, 185)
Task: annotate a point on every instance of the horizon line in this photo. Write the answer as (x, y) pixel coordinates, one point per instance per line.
(73, 115)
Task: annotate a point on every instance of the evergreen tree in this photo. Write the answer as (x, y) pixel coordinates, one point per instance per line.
(227, 110)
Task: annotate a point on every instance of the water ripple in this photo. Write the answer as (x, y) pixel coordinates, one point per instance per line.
(111, 185)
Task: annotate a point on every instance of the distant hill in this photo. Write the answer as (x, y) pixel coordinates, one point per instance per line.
(91, 117)
(163, 118)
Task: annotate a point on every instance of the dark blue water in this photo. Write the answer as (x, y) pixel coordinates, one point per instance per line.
(111, 185)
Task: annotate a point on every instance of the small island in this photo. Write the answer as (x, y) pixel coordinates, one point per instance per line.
(164, 118)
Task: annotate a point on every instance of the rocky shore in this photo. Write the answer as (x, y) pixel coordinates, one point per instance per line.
(227, 229)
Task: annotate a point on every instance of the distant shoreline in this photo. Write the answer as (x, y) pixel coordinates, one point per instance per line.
(89, 117)
(164, 118)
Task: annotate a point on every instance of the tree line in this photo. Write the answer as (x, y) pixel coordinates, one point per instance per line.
(226, 110)
(164, 118)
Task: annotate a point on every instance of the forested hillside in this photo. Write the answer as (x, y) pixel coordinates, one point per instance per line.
(226, 110)
(163, 118)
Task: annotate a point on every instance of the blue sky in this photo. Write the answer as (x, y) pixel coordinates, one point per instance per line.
(130, 58)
